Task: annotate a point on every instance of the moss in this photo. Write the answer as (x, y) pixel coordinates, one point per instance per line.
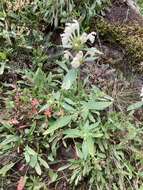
(129, 37)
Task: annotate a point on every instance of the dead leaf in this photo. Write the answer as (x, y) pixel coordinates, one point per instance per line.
(14, 121)
(48, 112)
(34, 102)
(21, 183)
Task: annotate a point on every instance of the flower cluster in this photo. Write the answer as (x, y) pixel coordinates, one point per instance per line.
(73, 39)
(80, 57)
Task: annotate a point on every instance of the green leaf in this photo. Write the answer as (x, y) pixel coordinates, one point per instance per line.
(69, 79)
(43, 108)
(38, 169)
(27, 157)
(85, 150)
(30, 151)
(99, 106)
(135, 106)
(9, 139)
(84, 112)
(64, 167)
(72, 133)
(5, 169)
(97, 135)
(2, 66)
(33, 161)
(95, 125)
(32, 129)
(61, 122)
(43, 162)
(141, 188)
(69, 101)
(68, 107)
(132, 132)
(62, 65)
(39, 78)
(90, 144)
(2, 56)
(53, 176)
(86, 126)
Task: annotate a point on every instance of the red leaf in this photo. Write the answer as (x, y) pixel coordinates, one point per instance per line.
(21, 183)
(34, 111)
(48, 113)
(34, 102)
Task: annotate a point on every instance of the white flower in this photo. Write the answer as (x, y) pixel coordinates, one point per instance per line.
(141, 95)
(67, 55)
(83, 38)
(77, 60)
(72, 38)
(91, 37)
(71, 31)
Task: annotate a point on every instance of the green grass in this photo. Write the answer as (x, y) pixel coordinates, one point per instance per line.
(141, 5)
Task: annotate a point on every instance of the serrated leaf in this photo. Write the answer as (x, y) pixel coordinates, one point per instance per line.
(61, 122)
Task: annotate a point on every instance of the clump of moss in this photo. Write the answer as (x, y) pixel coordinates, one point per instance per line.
(129, 37)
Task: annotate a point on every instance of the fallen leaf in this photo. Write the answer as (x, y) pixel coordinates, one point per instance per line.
(34, 102)
(22, 126)
(14, 121)
(22, 167)
(21, 183)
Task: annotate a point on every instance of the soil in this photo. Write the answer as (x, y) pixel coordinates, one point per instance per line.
(120, 12)
(113, 73)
